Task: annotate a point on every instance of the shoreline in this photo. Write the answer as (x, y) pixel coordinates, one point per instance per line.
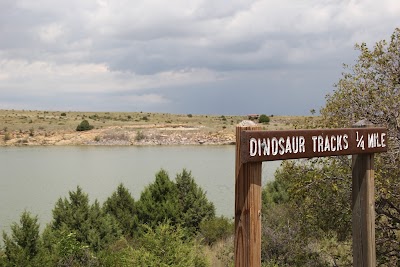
(56, 128)
(119, 136)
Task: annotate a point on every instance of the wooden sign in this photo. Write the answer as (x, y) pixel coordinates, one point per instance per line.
(257, 146)
(254, 146)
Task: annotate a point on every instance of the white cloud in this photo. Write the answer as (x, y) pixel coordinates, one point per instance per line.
(50, 33)
(50, 78)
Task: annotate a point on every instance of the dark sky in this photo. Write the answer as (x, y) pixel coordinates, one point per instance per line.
(200, 57)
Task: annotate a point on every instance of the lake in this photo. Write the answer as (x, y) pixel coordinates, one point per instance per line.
(33, 178)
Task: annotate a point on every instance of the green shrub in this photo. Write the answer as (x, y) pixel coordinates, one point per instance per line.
(7, 137)
(63, 114)
(84, 126)
(282, 243)
(225, 252)
(3, 259)
(263, 119)
(140, 136)
(94, 117)
(215, 229)
(275, 192)
(70, 252)
(118, 254)
(167, 245)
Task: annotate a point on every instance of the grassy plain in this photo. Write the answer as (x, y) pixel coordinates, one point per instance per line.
(30, 127)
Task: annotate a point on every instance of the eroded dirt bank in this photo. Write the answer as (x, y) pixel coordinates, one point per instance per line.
(121, 135)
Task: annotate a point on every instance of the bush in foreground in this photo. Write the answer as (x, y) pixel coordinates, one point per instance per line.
(167, 245)
(22, 246)
(214, 229)
(183, 202)
(117, 234)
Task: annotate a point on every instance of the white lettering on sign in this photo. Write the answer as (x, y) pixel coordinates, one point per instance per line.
(360, 141)
(330, 143)
(374, 140)
(274, 146)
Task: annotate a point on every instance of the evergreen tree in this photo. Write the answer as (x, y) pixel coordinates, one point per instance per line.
(159, 202)
(104, 228)
(88, 222)
(121, 205)
(183, 202)
(23, 245)
(193, 202)
(73, 214)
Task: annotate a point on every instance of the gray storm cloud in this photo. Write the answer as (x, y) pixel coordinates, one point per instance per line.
(264, 56)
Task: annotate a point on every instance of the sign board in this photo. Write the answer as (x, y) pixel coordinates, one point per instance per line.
(257, 146)
(254, 146)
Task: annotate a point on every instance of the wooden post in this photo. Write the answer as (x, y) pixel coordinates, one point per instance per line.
(247, 206)
(363, 207)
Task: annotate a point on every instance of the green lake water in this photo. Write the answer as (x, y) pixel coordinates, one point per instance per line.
(33, 178)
